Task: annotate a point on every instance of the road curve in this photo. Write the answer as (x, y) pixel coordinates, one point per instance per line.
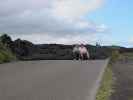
(50, 80)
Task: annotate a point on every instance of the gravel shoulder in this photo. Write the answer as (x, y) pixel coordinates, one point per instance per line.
(123, 75)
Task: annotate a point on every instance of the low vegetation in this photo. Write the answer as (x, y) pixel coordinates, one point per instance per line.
(115, 55)
(106, 89)
(5, 54)
(25, 50)
(128, 55)
(123, 72)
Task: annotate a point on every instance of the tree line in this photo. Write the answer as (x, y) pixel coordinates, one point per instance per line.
(26, 50)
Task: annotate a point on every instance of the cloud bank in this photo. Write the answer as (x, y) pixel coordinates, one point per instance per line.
(64, 19)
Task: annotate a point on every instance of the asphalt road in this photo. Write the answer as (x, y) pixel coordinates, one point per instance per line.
(50, 80)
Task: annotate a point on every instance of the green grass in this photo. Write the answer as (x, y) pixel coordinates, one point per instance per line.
(106, 89)
(128, 55)
(5, 54)
(115, 55)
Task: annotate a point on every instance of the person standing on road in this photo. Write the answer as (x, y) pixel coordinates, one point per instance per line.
(84, 54)
(80, 52)
(76, 53)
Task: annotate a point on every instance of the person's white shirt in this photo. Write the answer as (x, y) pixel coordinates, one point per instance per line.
(75, 49)
(83, 49)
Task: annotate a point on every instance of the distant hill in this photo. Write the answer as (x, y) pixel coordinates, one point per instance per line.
(26, 50)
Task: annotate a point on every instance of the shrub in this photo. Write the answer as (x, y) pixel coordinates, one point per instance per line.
(1, 58)
(115, 55)
(5, 54)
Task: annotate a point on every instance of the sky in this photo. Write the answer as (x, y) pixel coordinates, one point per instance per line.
(108, 22)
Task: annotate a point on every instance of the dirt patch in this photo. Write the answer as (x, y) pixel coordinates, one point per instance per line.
(123, 73)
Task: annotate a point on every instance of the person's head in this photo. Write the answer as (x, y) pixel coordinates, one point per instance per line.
(76, 45)
(82, 45)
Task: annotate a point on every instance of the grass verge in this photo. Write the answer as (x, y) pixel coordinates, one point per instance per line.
(106, 89)
(5, 54)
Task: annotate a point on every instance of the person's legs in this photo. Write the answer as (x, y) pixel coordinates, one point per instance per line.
(77, 56)
(82, 56)
(73, 55)
(88, 55)
(85, 56)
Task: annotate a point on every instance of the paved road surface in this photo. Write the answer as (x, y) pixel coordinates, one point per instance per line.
(50, 80)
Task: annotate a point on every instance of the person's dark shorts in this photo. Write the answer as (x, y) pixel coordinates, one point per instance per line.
(76, 55)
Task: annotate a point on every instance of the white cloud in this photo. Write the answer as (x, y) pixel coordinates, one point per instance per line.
(102, 28)
(130, 41)
(67, 39)
(75, 8)
(49, 18)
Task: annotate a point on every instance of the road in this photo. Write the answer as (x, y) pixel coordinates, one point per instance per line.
(50, 80)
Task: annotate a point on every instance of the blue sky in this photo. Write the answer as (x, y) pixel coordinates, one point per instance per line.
(118, 16)
(108, 22)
